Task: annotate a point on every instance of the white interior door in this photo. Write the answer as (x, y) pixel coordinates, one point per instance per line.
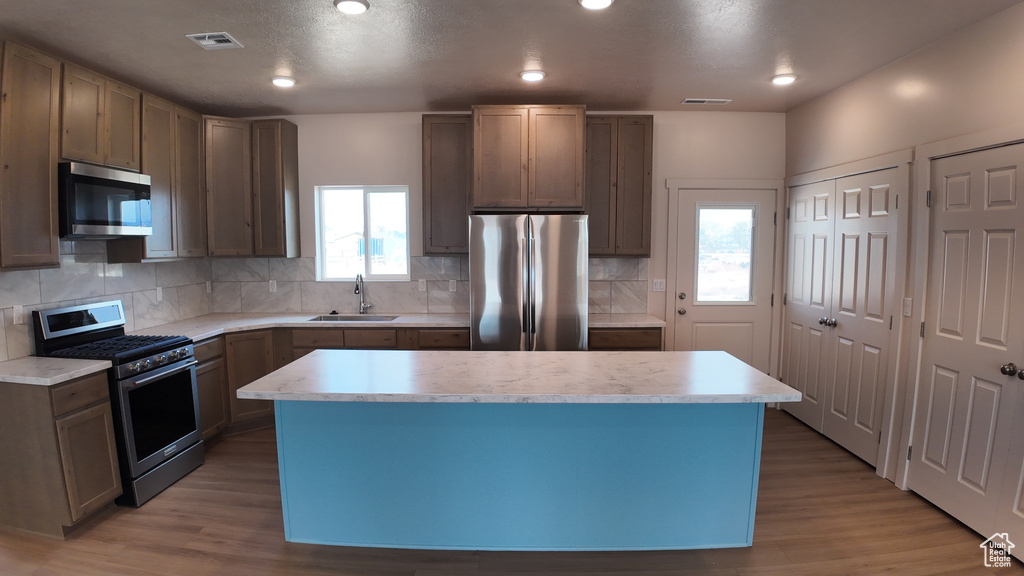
(860, 323)
(974, 324)
(724, 272)
(808, 297)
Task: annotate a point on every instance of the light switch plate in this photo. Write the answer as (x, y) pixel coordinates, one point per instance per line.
(159, 294)
(19, 314)
(273, 285)
(908, 306)
(422, 285)
(659, 285)
(453, 286)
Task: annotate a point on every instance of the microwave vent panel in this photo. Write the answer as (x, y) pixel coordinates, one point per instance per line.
(214, 40)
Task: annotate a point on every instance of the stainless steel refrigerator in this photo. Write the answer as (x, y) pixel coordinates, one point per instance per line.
(528, 281)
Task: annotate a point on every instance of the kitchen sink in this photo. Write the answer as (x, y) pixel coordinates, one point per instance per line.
(353, 318)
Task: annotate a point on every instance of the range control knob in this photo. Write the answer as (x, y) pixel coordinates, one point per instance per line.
(160, 359)
(145, 364)
(183, 352)
(173, 354)
(134, 367)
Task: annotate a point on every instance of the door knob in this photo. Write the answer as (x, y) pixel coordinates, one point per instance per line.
(822, 321)
(681, 311)
(1009, 369)
(1020, 374)
(832, 323)
(682, 295)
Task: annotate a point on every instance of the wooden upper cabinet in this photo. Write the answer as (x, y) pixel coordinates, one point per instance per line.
(619, 164)
(528, 157)
(229, 186)
(158, 149)
(29, 151)
(275, 188)
(500, 156)
(100, 120)
(190, 195)
(172, 158)
(447, 182)
(556, 156)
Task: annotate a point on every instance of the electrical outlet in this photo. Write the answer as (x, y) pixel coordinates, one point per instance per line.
(273, 285)
(159, 294)
(908, 307)
(423, 285)
(209, 287)
(453, 286)
(659, 285)
(19, 314)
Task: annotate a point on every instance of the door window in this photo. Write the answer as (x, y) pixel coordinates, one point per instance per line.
(725, 254)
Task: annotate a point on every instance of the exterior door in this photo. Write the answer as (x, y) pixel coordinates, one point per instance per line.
(860, 322)
(808, 298)
(967, 408)
(726, 245)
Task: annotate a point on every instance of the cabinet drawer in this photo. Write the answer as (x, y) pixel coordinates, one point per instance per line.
(443, 339)
(318, 338)
(79, 393)
(625, 339)
(208, 349)
(371, 339)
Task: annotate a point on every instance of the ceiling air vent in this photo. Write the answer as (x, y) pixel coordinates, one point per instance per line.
(214, 40)
(713, 101)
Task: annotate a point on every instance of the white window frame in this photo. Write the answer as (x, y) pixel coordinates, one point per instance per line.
(321, 248)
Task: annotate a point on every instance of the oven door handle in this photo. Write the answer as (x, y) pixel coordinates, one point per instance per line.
(163, 373)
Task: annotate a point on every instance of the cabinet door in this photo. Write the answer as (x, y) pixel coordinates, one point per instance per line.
(500, 156)
(88, 456)
(229, 187)
(447, 182)
(158, 162)
(189, 196)
(634, 168)
(601, 174)
(121, 126)
(82, 137)
(556, 156)
(29, 134)
(275, 188)
(212, 387)
(249, 356)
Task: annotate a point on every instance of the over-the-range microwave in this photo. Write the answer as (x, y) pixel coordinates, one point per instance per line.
(101, 203)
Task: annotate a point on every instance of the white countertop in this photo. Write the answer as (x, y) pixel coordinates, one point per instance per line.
(212, 325)
(40, 371)
(527, 377)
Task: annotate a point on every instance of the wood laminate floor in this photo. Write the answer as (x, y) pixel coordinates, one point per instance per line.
(820, 510)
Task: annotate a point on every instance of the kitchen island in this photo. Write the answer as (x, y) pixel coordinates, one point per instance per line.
(519, 450)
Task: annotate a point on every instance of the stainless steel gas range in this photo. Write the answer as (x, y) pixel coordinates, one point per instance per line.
(152, 389)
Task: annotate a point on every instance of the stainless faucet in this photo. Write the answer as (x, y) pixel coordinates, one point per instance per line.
(363, 306)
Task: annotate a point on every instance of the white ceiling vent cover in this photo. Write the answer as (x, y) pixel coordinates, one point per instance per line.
(214, 40)
(714, 101)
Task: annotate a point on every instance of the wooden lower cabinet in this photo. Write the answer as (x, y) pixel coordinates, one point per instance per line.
(624, 339)
(211, 381)
(248, 357)
(60, 454)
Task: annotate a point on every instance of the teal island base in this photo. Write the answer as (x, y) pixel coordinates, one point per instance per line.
(519, 476)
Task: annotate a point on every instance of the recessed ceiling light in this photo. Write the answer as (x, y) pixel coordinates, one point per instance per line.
(596, 4)
(532, 75)
(783, 79)
(352, 6)
(284, 82)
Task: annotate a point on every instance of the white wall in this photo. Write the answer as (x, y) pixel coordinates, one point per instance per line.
(338, 149)
(968, 82)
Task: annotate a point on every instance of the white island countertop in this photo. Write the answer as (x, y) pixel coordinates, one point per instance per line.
(524, 377)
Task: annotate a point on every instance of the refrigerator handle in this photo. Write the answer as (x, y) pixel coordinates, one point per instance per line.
(533, 294)
(525, 275)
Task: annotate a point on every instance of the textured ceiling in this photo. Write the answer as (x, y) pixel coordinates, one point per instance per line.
(444, 55)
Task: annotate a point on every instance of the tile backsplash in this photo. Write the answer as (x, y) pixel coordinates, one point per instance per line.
(163, 292)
